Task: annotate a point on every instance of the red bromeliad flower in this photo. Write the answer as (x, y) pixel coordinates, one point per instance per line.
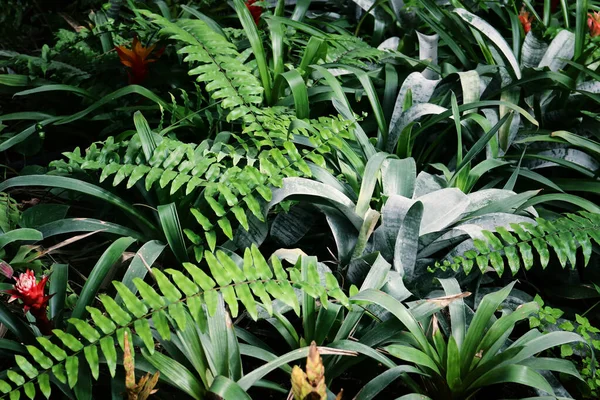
(526, 20)
(31, 293)
(594, 24)
(137, 59)
(256, 11)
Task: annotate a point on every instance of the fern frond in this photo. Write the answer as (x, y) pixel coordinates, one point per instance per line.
(351, 50)
(254, 284)
(234, 180)
(227, 79)
(9, 213)
(563, 236)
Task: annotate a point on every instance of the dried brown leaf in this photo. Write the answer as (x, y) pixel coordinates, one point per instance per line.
(435, 325)
(128, 364)
(445, 301)
(66, 242)
(148, 387)
(145, 387)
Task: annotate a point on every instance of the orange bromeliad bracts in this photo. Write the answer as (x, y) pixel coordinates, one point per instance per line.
(526, 20)
(137, 60)
(594, 24)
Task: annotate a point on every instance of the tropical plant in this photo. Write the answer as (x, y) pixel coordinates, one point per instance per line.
(563, 235)
(370, 150)
(473, 357)
(549, 319)
(194, 309)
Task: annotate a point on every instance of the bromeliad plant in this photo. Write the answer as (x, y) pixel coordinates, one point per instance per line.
(290, 125)
(31, 293)
(311, 384)
(192, 307)
(137, 60)
(469, 356)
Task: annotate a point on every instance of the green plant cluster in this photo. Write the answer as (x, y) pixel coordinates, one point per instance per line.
(196, 197)
(549, 319)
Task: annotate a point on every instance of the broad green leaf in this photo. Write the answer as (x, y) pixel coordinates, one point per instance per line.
(169, 220)
(298, 88)
(133, 304)
(406, 244)
(177, 312)
(581, 11)
(72, 368)
(399, 311)
(493, 35)
(98, 274)
(15, 324)
(369, 181)
(502, 326)
(107, 344)
(91, 356)
(161, 324)
(81, 187)
(5, 386)
(68, 340)
(58, 288)
(457, 312)
(561, 49)
(101, 321)
(487, 307)
(552, 364)
(176, 373)
(144, 258)
(453, 376)
(120, 316)
(39, 357)
(59, 373)
(55, 351)
(142, 328)
(257, 46)
(25, 234)
(44, 384)
(147, 137)
(383, 380)
(513, 374)
(85, 330)
(25, 366)
(412, 355)
(166, 287)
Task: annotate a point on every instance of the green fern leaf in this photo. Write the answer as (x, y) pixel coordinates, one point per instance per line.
(107, 345)
(44, 384)
(91, 356)
(72, 368)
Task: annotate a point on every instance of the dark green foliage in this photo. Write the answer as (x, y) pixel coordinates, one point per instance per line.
(376, 136)
(564, 236)
(255, 283)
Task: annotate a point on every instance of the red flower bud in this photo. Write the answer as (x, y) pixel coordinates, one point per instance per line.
(594, 24)
(31, 293)
(526, 20)
(256, 11)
